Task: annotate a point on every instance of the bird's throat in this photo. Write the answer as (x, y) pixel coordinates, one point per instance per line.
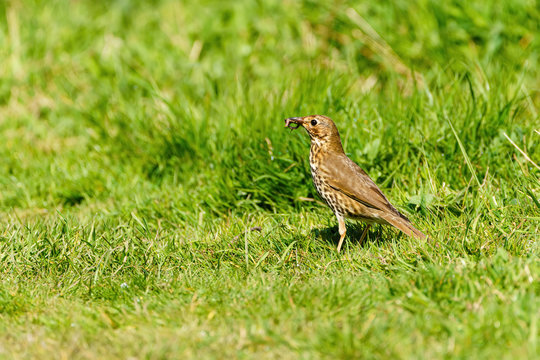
(326, 145)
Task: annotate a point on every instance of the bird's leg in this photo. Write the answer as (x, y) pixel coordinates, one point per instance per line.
(364, 233)
(342, 231)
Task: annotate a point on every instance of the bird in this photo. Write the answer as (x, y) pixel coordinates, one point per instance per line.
(342, 184)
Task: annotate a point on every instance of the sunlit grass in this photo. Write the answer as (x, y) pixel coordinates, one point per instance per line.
(153, 206)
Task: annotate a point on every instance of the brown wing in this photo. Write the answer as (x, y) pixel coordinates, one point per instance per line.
(345, 176)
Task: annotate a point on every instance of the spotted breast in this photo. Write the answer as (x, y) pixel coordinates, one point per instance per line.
(324, 191)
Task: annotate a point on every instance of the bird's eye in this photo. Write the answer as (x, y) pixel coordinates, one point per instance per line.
(313, 122)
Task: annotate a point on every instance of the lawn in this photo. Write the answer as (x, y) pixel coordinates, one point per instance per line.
(152, 204)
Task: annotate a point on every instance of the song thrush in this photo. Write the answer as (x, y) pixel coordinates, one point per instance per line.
(343, 185)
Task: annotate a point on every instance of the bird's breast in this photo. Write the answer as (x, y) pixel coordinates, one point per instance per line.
(319, 178)
(340, 203)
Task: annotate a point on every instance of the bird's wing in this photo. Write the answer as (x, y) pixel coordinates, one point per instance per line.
(348, 178)
(343, 175)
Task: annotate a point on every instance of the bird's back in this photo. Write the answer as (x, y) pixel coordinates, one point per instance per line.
(357, 196)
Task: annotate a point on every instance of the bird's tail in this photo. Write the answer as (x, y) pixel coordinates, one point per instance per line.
(403, 224)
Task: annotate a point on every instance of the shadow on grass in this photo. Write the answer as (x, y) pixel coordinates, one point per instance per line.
(377, 234)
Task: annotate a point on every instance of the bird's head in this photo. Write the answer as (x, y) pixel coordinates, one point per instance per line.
(320, 128)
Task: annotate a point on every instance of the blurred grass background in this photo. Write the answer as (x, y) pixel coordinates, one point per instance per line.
(140, 141)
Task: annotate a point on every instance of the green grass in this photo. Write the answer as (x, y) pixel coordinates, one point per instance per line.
(141, 141)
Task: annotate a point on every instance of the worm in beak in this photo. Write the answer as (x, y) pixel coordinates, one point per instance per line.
(294, 122)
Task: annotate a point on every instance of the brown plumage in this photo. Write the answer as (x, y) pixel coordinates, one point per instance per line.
(345, 187)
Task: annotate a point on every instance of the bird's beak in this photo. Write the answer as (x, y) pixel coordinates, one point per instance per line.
(294, 122)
